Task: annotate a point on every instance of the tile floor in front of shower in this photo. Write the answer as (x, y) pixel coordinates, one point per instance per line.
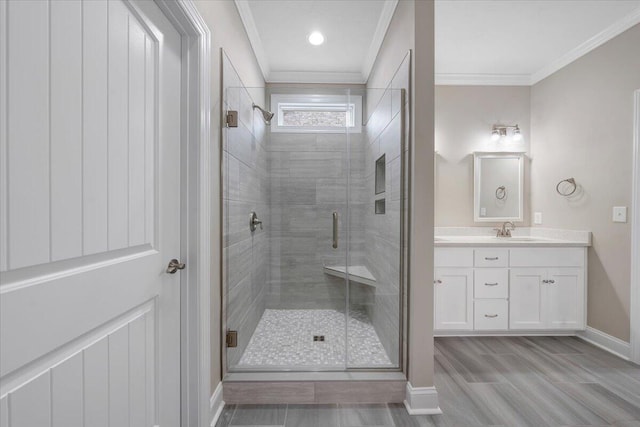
(285, 339)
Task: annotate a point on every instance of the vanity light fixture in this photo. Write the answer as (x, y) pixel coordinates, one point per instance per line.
(499, 131)
(316, 38)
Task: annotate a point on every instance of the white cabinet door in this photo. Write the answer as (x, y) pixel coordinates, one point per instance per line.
(564, 301)
(526, 298)
(454, 299)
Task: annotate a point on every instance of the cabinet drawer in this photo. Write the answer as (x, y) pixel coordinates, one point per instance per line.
(491, 258)
(547, 257)
(453, 257)
(491, 315)
(491, 283)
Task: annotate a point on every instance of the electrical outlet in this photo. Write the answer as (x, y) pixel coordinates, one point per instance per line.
(619, 214)
(537, 218)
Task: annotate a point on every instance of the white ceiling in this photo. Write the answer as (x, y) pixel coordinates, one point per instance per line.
(522, 41)
(477, 41)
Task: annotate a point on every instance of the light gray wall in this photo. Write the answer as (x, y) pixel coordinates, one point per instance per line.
(582, 120)
(464, 116)
(227, 31)
(411, 29)
(308, 179)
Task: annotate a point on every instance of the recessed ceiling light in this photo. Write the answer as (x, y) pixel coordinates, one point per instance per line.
(316, 38)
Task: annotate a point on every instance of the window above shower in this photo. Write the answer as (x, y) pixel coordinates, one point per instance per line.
(304, 113)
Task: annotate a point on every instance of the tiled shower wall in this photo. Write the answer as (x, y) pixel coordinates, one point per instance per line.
(308, 182)
(245, 190)
(385, 131)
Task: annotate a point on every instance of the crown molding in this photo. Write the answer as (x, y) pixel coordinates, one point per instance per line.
(599, 39)
(386, 16)
(450, 79)
(315, 77)
(244, 10)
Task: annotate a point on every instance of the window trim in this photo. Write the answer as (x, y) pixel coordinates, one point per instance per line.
(305, 101)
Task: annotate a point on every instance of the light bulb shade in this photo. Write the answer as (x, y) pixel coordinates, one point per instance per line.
(517, 136)
(495, 135)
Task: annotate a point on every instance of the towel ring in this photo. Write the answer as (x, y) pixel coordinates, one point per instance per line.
(570, 181)
(501, 192)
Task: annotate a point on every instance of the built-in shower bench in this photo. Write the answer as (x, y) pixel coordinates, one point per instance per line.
(357, 273)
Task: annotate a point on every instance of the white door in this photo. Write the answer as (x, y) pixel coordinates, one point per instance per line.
(90, 214)
(526, 298)
(454, 299)
(564, 302)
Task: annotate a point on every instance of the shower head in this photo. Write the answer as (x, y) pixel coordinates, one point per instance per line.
(266, 115)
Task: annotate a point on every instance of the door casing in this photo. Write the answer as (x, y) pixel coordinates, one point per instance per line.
(196, 211)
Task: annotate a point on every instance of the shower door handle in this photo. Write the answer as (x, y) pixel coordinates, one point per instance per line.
(335, 230)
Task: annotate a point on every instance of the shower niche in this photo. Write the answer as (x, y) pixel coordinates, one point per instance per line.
(303, 155)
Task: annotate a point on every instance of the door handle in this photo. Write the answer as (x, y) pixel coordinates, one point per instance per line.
(174, 266)
(335, 230)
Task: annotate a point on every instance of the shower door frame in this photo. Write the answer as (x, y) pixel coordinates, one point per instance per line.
(405, 217)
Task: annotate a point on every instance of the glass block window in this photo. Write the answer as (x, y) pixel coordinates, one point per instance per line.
(314, 113)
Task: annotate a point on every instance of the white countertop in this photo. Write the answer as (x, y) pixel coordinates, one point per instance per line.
(522, 237)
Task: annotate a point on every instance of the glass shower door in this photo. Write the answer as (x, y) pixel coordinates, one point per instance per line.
(376, 233)
(284, 282)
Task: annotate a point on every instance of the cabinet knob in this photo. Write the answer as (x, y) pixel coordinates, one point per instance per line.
(551, 281)
(437, 281)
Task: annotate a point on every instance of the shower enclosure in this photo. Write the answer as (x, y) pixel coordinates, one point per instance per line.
(314, 205)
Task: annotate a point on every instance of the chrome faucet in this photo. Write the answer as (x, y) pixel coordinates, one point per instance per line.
(504, 231)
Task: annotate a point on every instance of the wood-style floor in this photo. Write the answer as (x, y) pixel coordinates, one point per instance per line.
(491, 381)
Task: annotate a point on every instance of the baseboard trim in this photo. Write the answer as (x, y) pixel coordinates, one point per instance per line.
(606, 342)
(216, 404)
(422, 400)
(518, 333)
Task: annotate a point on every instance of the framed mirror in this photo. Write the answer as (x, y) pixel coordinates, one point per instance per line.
(498, 187)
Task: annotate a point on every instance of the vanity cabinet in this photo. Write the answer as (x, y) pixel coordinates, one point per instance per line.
(547, 298)
(494, 290)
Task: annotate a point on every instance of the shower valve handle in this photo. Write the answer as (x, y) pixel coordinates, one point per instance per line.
(254, 222)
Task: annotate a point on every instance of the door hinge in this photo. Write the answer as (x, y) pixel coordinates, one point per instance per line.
(232, 338)
(232, 119)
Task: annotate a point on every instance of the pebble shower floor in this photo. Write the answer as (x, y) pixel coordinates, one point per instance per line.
(284, 339)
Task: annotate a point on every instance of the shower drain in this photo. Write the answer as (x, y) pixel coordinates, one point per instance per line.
(318, 338)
